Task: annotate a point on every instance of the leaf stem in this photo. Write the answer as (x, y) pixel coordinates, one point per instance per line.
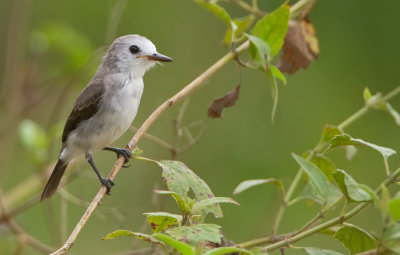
(332, 222)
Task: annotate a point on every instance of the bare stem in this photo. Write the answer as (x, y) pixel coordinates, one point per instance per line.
(140, 133)
(332, 222)
(14, 227)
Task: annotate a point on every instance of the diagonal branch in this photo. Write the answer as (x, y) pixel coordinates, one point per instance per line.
(196, 83)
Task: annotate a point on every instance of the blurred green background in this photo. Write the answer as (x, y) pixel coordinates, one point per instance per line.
(50, 49)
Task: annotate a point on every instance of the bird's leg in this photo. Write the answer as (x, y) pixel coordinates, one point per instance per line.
(106, 182)
(124, 152)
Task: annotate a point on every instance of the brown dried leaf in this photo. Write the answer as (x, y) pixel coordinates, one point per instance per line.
(300, 47)
(216, 108)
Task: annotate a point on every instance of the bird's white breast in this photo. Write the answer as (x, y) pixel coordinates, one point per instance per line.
(118, 110)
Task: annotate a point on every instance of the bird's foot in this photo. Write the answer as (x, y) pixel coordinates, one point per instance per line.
(127, 155)
(108, 183)
(121, 152)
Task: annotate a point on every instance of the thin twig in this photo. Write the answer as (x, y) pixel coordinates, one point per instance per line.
(154, 139)
(139, 134)
(14, 227)
(337, 220)
(195, 84)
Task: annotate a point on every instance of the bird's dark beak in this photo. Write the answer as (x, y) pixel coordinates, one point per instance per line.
(158, 57)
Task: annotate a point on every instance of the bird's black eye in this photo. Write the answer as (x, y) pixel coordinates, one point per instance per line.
(134, 49)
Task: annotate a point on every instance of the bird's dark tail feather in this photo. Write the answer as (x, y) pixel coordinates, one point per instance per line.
(54, 179)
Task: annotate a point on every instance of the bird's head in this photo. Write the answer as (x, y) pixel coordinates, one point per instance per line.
(134, 54)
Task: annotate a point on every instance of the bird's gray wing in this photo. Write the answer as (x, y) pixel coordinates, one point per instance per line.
(85, 107)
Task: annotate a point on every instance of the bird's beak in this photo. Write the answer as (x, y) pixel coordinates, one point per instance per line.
(157, 57)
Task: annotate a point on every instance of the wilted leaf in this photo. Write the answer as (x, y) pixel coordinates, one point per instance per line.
(273, 27)
(196, 234)
(319, 182)
(162, 220)
(180, 179)
(244, 185)
(318, 251)
(341, 140)
(182, 247)
(198, 206)
(227, 250)
(119, 233)
(350, 188)
(300, 47)
(355, 239)
(216, 108)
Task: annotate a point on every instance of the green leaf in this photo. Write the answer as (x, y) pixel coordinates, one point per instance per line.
(32, 135)
(119, 233)
(196, 234)
(162, 220)
(323, 163)
(244, 185)
(350, 188)
(242, 24)
(182, 247)
(355, 239)
(180, 179)
(329, 132)
(341, 140)
(273, 27)
(259, 52)
(198, 206)
(367, 94)
(274, 92)
(394, 209)
(227, 250)
(319, 182)
(222, 14)
(34, 139)
(258, 251)
(277, 73)
(392, 233)
(72, 45)
(318, 251)
(179, 200)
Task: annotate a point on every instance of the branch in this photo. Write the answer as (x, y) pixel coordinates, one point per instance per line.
(196, 83)
(332, 222)
(14, 227)
(140, 133)
(320, 146)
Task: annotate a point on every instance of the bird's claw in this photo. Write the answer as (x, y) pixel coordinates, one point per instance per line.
(126, 153)
(108, 183)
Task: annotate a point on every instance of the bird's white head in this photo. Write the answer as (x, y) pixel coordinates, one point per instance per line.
(132, 53)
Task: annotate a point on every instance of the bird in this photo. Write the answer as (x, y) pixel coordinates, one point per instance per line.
(106, 107)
